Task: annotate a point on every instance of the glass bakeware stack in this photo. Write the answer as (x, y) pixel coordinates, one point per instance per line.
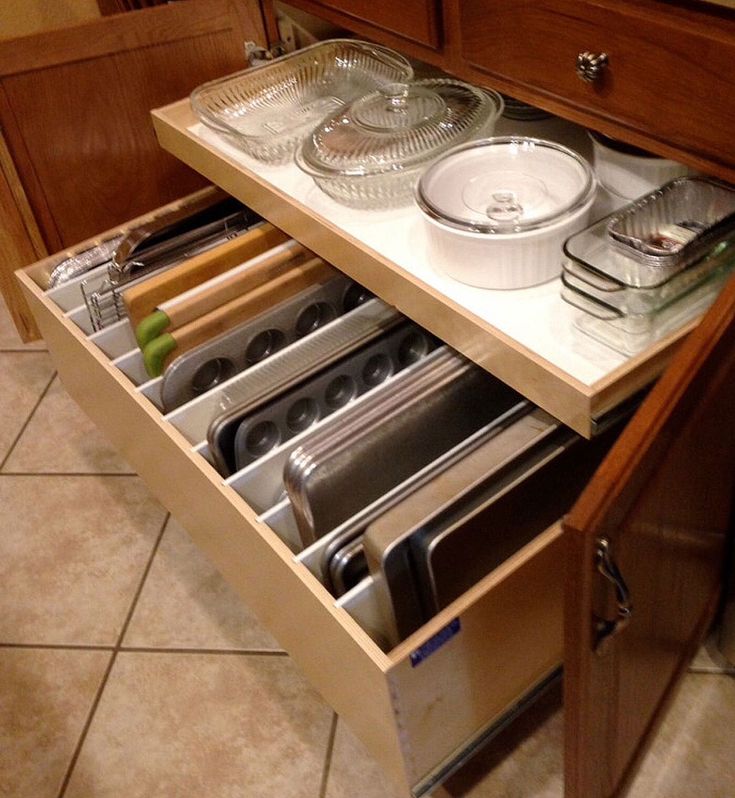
(351, 115)
(268, 110)
(652, 266)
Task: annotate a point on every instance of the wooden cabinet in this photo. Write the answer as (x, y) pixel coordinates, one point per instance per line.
(415, 20)
(418, 714)
(77, 151)
(414, 27)
(668, 85)
(668, 76)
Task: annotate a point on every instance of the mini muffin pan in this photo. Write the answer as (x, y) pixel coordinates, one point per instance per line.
(335, 387)
(201, 369)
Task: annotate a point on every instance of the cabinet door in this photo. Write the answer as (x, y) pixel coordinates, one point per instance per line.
(661, 501)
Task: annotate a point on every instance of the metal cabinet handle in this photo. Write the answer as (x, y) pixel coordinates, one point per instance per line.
(590, 66)
(606, 629)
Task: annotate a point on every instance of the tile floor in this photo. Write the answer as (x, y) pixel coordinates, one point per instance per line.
(128, 667)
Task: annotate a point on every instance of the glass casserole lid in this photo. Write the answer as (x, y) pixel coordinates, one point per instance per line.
(505, 185)
(267, 110)
(399, 127)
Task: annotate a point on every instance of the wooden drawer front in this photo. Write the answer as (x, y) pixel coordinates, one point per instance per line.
(415, 707)
(415, 20)
(673, 82)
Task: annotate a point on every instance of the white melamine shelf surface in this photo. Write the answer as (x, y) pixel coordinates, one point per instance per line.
(536, 318)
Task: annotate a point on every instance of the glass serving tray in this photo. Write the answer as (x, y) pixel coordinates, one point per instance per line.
(267, 110)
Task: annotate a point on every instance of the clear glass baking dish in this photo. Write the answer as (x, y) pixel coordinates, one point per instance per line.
(267, 110)
(631, 332)
(631, 300)
(594, 250)
(371, 153)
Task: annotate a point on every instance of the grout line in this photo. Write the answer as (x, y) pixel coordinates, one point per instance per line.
(113, 657)
(20, 351)
(27, 421)
(68, 474)
(58, 646)
(328, 757)
(241, 652)
(139, 590)
(712, 670)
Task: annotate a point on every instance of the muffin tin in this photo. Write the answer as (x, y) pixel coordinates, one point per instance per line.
(327, 391)
(218, 359)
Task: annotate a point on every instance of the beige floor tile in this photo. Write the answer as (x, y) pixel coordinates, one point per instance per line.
(694, 751)
(23, 376)
(61, 439)
(9, 338)
(221, 726)
(72, 553)
(185, 603)
(523, 762)
(354, 772)
(45, 698)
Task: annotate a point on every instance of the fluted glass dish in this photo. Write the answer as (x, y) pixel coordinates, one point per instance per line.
(371, 153)
(268, 110)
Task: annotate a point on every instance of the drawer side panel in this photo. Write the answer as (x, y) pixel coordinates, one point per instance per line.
(330, 648)
(501, 639)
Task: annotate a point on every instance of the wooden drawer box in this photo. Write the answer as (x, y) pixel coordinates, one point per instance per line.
(416, 20)
(660, 59)
(417, 706)
(414, 25)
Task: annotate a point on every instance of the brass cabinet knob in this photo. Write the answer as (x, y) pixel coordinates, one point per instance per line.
(591, 65)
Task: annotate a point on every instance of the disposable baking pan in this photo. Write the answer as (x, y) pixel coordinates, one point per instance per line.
(670, 228)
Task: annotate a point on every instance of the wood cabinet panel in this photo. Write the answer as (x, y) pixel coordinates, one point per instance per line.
(74, 109)
(89, 136)
(663, 500)
(669, 73)
(414, 27)
(414, 19)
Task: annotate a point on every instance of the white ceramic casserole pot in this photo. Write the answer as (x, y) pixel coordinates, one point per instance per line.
(497, 211)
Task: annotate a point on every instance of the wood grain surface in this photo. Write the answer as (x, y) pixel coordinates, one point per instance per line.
(74, 108)
(663, 500)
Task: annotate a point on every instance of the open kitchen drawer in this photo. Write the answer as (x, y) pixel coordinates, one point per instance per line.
(418, 706)
(422, 705)
(661, 500)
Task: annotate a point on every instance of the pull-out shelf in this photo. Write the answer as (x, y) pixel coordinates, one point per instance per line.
(417, 706)
(525, 337)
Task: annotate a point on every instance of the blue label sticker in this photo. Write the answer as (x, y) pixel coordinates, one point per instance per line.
(435, 643)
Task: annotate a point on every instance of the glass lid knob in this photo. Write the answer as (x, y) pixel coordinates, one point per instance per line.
(504, 207)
